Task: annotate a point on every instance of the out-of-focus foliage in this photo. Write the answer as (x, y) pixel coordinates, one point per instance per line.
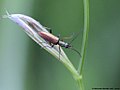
(25, 66)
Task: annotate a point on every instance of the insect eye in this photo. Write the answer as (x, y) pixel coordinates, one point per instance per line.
(67, 45)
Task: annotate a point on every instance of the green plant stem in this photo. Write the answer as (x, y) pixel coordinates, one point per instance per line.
(85, 34)
(80, 84)
(84, 42)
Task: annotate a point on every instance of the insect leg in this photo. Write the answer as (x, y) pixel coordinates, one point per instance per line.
(58, 35)
(50, 30)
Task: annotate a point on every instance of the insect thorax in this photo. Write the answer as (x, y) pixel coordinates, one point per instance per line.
(63, 44)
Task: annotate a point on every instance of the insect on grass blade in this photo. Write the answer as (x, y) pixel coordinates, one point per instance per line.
(31, 27)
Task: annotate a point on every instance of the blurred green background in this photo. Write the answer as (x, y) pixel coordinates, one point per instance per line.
(25, 66)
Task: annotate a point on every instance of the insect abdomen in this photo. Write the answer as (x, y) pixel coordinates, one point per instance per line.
(49, 37)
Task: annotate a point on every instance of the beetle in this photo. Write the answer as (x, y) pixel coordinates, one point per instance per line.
(54, 40)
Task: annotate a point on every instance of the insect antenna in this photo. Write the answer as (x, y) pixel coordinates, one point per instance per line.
(74, 48)
(74, 37)
(75, 51)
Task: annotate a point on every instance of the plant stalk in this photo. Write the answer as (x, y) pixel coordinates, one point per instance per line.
(84, 42)
(80, 84)
(85, 34)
